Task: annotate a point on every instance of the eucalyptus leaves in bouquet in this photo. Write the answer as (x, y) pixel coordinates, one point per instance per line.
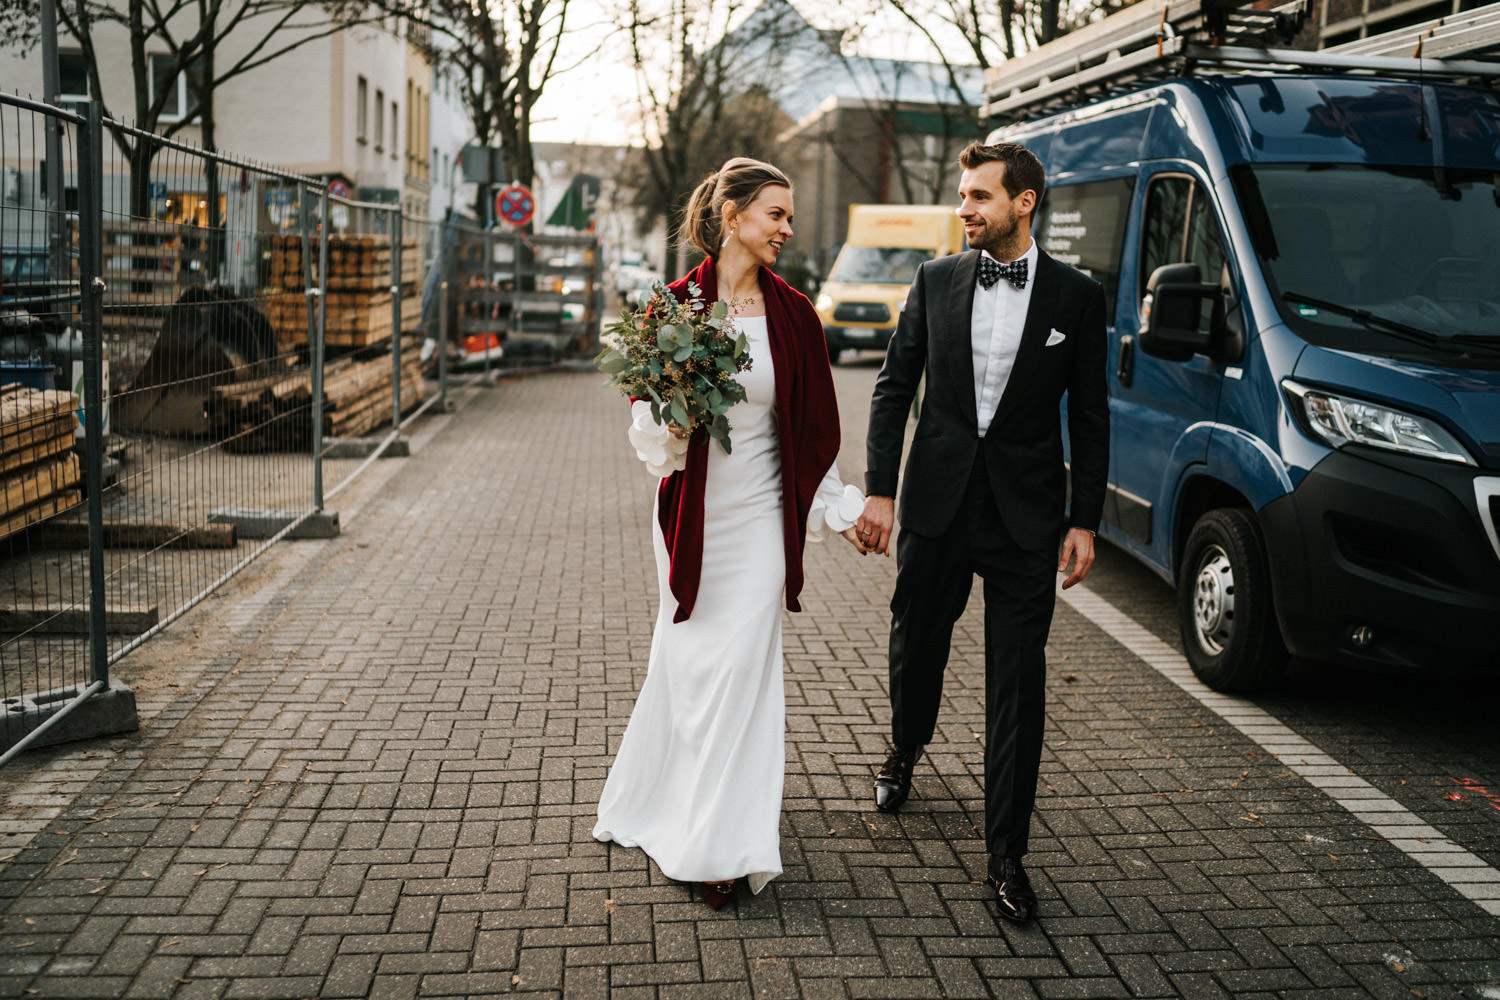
(683, 356)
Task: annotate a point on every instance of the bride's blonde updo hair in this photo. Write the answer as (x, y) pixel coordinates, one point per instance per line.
(739, 180)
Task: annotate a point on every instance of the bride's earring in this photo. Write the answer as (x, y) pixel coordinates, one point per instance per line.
(726, 240)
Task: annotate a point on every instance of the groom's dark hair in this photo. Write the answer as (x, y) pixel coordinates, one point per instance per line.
(1023, 171)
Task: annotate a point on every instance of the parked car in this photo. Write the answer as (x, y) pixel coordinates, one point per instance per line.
(1304, 352)
(22, 266)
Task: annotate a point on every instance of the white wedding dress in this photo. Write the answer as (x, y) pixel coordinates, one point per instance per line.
(697, 780)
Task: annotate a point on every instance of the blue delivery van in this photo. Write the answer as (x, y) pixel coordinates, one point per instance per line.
(1302, 265)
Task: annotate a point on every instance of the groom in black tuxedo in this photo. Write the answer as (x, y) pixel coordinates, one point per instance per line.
(1001, 331)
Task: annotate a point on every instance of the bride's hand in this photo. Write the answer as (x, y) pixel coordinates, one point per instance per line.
(854, 540)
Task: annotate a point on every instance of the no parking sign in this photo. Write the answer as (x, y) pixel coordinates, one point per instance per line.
(515, 204)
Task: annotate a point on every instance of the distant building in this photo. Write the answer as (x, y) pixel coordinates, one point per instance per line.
(451, 130)
(353, 105)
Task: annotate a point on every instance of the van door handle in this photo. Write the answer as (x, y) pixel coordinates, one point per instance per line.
(1126, 370)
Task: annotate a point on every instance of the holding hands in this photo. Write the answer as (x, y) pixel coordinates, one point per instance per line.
(874, 527)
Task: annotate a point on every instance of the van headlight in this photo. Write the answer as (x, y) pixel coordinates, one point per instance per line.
(1340, 420)
(824, 302)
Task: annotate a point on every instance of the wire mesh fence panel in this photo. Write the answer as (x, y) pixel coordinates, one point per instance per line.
(44, 653)
(207, 444)
(479, 296)
(227, 328)
(431, 286)
(374, 306)
(529, 298)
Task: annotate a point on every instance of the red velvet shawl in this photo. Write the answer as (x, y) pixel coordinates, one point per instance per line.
(807, 427)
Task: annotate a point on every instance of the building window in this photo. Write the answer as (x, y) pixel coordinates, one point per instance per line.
(427, 165)
(379, 121)
(73, 73)
(362, 111)
(395, 129)
(179, 86)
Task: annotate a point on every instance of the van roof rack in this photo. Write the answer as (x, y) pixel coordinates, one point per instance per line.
(1153, 41)
(1470, 32)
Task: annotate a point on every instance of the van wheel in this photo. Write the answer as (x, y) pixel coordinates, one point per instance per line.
(1224, 604)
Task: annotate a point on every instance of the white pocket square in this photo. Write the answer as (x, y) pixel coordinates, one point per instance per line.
(1056, 337)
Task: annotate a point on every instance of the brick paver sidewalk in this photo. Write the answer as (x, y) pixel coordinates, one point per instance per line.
(378, 771)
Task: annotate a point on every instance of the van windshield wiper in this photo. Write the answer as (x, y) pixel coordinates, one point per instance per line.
(1483, 341)
(1411, 334)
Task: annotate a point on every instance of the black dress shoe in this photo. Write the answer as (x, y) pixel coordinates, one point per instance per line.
(893, 783)
(1013, 889)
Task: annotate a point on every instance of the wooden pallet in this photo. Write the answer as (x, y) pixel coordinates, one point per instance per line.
(146, 268)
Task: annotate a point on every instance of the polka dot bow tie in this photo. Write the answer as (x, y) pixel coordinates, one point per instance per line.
(991, 271)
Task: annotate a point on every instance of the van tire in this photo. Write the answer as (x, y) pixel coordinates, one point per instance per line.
(1224, 604)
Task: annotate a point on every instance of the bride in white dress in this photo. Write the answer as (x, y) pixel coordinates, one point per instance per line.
(697, 780)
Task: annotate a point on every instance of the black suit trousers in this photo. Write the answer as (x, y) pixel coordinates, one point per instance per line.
(933, 579)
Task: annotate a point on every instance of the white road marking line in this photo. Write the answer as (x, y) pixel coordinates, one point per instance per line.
(1466, 873)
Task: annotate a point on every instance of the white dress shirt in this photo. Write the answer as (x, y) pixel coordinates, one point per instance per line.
(998, 317)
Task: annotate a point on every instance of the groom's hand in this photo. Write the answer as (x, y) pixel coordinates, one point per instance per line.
(1078, 548)
(876, 523)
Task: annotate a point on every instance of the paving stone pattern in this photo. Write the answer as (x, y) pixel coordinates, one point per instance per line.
(380, 781)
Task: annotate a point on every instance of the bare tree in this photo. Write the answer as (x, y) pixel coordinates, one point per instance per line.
(991, 33)
(707, 88)
(502, 55)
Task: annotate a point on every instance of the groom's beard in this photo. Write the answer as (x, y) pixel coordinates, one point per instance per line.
(1001, 237)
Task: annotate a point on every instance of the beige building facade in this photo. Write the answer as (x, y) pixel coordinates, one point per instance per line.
(352, 105)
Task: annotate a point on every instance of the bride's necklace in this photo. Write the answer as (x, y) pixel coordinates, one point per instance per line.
(741, 304)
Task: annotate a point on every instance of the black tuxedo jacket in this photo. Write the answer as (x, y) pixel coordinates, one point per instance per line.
(1023, 446)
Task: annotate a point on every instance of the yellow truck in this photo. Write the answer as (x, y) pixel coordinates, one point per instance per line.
(867, 285)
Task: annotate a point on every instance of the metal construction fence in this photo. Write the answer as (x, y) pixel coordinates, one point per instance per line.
(196, 353)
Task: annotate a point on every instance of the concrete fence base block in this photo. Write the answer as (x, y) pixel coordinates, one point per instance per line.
(265, 523)
(109, 712)
(364, 448)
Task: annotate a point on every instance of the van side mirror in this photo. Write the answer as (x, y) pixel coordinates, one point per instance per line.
(1173, 325)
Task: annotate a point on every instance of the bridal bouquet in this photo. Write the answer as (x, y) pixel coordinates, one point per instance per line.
(682, 357)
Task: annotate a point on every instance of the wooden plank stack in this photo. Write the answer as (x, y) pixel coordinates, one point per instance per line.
(359, 289)
(274, 413)
(287, 313)
(39, 473)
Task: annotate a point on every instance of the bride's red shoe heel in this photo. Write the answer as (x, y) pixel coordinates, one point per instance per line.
(716, 894)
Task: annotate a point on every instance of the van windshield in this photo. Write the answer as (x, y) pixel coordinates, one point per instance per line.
(878, 265)
(1382, 248)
